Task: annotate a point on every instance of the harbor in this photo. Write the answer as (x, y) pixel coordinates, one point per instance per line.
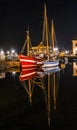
(46, 54)
(38, 65)
(44, 94)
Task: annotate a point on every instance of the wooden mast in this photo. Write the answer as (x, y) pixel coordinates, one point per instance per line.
(27, 44)
(45, 27)
(52, 34)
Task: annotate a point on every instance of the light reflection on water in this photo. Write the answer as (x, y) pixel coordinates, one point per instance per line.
(47, 83)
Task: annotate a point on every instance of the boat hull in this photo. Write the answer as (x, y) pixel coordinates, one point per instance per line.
(27, 62)
(50, 64)
(51, 69)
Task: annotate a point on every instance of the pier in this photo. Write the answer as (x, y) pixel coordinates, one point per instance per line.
(69, 56)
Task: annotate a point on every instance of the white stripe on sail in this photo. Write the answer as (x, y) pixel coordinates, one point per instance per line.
(25, 75)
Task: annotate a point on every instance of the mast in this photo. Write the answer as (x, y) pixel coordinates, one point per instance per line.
(27, 43)
(45, 27)
(53, 36)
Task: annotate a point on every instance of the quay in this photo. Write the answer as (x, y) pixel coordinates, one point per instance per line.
(16, 63)
(69, 56)
(9, 64)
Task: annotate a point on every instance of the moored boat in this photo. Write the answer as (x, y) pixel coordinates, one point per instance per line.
(29, 62)
(50, 64)
(52, 51)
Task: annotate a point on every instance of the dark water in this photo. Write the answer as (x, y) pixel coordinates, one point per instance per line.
(46, 102)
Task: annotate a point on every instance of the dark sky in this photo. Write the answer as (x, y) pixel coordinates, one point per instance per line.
(15, 17)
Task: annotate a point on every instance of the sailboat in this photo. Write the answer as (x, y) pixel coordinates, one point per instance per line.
(28, 61)
(46, 59)
(51, 60)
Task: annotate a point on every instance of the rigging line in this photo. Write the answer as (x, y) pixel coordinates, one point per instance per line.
(23, 47)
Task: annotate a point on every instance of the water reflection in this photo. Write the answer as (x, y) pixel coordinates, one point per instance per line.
(2, 75)
(13, 71)
(74, 68)
(48, 80)
(45, 79)
(42, 97)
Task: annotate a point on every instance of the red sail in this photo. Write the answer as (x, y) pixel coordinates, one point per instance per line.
(27, 74)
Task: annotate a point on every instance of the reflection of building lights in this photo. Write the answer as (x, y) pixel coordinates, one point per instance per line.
(75, 65)
(74, 68)
(75, 49)
(13, 74)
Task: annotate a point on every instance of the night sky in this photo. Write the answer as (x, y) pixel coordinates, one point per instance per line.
(15, 17)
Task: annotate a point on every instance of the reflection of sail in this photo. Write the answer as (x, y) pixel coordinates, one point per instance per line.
(51, 90)
(48, 83)
(27, 74)
(27, 78)
(49, 97)
(55, 82)
(29, 89)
